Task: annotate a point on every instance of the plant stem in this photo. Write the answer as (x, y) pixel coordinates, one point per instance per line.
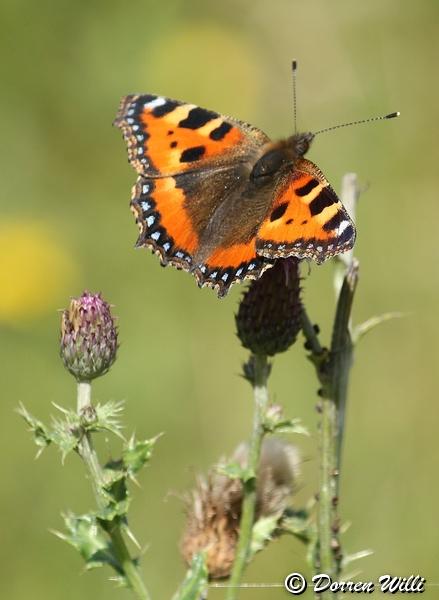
(333, 370)
(342, 354)
(90, 458)
(260, 393)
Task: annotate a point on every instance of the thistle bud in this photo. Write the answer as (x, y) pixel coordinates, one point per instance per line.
(268, 318)
(88, 337)
(215, 505)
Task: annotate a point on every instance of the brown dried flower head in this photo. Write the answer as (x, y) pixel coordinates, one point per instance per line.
(214, 506)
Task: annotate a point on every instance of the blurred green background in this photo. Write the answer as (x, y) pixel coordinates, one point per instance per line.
(66, 226)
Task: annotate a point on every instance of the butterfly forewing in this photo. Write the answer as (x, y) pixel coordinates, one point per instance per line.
(168, 137)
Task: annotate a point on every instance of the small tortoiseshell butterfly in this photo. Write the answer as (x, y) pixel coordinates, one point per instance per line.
(216, 197)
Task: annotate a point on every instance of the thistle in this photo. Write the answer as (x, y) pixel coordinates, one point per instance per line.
(214, 507)
(88, 337)
(268, 318)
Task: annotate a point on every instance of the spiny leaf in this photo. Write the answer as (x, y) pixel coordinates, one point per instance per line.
(234, 470)
(108, 417)
(41, 434)
(137, 453)
(194, 585)
(286, 426)
(262, 532)
(115, 491)
(297, 523)
(84, 534)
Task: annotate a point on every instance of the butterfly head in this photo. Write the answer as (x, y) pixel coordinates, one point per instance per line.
(300, 143)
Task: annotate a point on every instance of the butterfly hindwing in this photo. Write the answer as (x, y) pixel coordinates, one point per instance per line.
(175, 215)
(306, 219)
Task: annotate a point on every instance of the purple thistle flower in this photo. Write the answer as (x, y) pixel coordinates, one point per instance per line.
(88, 337)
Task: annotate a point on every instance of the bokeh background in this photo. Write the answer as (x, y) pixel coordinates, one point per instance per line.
(66, 226)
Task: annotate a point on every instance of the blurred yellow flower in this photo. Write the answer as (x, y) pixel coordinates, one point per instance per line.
(36, 272)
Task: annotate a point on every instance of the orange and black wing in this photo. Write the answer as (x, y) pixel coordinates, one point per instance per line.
(191, 161)
(172, 218)
(167, 137)
(306, 219)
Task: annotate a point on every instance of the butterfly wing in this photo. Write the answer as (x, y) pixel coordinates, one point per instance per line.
(179, 218)
(306, 219)
(167, 137)
(194, 166)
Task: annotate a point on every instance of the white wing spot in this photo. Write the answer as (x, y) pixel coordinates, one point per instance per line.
(150, 220)
(239, 271)
(251, 267)
(213, 275)
(130, 112)
(166, 246)
(179, 254)
(145, 188)
(343, 225)
(145, 205)
(135, 127)
(130, 120)
(155, 236)
(139, 150)
(225, 277)
(156, 102)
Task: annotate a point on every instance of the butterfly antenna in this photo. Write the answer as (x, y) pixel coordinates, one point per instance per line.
(294, 71)
(380, 118)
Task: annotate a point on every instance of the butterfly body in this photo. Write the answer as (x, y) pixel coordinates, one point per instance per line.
(218, 198)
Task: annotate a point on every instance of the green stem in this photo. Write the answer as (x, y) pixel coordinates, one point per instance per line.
(342, 353)
(333, 370)
(90, 458)
(260, 393)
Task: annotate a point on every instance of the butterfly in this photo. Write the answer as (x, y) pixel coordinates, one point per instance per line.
(216, 197)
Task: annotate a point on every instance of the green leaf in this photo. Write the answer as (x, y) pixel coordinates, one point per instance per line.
(115, 492)
(84, 534)
(297, 523)
(41, 434)
(286, 426)
(234, 470)
(350, 558)
(194, 585)
(137, 453)
(262, 532)
(363, 328)
(66, 433)
(108, 417)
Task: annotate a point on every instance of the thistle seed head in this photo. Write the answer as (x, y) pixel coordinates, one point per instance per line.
(214, 506)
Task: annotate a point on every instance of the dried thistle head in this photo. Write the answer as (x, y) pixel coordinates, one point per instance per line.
(268, 318)
(88, 342)
(214, 506)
